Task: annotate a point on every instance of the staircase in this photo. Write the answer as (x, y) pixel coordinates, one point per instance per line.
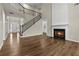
(31, 22)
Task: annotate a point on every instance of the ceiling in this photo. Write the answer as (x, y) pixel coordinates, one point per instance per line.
(14, 9)
(35, 5)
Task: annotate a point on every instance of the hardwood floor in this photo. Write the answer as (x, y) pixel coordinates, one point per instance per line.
(38, 46)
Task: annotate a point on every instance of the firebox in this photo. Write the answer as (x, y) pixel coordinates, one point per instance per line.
(59, 34)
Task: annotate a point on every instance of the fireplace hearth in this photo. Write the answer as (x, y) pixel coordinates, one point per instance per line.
(59, 34)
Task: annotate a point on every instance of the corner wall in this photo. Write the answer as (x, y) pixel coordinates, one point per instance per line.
(46, 11)
(74, 22)
(1, 26)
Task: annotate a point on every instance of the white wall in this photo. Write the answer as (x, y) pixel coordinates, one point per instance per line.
(1, 26)
(27, 18)
(35, 29)
(14, 23)
(59, 13)
(60, 17)
(67, 14)
(73, 22)
(5, 26)
(46, 11)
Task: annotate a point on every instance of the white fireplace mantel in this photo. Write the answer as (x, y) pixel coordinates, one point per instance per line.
(54, 25)
(60, 26)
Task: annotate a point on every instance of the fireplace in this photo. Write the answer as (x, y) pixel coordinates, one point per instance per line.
(59, 34)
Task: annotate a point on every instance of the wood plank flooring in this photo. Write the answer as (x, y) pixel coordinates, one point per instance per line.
(40, 45)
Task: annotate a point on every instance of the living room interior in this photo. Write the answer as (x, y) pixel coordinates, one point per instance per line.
(39, 29)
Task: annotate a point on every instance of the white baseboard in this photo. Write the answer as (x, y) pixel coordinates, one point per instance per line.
(30, 35)
(69, 39)
(72, 40)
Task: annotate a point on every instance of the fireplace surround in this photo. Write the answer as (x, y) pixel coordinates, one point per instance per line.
(59, 34)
